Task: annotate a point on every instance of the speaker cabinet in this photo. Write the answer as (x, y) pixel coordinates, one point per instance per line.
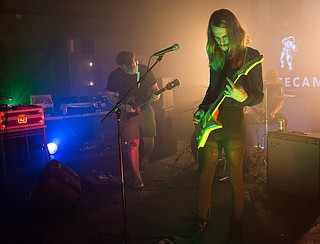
(166, 101)
(165, 142)
(293, 163)
(58, 189)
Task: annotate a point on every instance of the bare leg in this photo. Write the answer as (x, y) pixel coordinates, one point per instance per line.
(148, 146)
(208, 161)
(234, 159)
(234, 156)
(134, 158)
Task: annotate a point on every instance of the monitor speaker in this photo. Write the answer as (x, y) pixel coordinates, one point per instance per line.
(293, 163)
(58, 189)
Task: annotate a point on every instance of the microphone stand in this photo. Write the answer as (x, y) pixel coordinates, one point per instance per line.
(266, 118)
(125, 235)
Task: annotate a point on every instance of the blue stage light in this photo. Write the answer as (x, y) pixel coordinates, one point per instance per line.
(52, 148)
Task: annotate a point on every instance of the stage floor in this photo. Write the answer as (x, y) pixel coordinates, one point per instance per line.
(166, 204)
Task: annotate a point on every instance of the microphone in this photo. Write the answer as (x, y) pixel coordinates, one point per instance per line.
(169, 49)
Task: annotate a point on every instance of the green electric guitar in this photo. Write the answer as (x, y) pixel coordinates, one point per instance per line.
(209, 122)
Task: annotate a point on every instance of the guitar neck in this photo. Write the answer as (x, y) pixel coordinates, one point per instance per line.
(160, 91)
(169, 86)
(147, 99)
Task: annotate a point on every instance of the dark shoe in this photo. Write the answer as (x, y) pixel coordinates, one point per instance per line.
(193, 233)
(235, 231)
(138, 185)
(143, 166)
(138, 182)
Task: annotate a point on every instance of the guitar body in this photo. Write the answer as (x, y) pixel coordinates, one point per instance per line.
(204, 128)
(132, 102)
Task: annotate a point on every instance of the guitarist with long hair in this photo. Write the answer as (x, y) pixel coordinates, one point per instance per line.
(139, 122)
(220, 118)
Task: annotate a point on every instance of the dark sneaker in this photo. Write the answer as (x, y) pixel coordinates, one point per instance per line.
(193, 233)
(235, 231)
(138, 185)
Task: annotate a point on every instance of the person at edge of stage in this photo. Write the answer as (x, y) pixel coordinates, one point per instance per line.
(227, 50)
(138, 123)
(275, 97)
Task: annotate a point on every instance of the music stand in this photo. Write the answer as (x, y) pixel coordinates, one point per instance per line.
(124, 235)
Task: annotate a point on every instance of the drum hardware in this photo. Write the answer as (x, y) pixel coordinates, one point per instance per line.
(221, 172)
(258, 158)
(192, 147)
(193, 108)
(187, 149)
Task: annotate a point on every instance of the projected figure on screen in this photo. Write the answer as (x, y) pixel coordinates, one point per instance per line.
(286, 53)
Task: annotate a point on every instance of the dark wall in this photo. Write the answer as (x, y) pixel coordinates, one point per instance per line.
(34, 33)
(36, 53)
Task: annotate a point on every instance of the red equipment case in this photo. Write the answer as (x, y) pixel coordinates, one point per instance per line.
(17, 117)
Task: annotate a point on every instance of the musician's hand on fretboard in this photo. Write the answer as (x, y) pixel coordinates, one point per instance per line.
(154, 97)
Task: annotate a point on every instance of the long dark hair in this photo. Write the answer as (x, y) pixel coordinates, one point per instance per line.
(238, 40)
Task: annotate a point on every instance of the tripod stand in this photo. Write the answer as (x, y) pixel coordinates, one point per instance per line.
(258, 158)
(125, 235)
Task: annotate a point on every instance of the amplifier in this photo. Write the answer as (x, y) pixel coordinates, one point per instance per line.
(21, 117)
(293, 163)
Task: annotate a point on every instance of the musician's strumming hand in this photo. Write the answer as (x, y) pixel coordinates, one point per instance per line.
(127, 108)
(198, 115)
(235, 91)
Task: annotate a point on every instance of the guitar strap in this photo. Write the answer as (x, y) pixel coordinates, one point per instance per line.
(224, 75)
(244, 61)
(228, 68)
(216, 84)
(222, 80)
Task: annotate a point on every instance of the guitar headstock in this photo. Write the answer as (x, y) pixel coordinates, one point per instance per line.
(245, 69)
(172, 84)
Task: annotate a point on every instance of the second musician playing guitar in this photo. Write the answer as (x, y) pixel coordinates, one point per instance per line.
(141, 127)
(120, 82)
